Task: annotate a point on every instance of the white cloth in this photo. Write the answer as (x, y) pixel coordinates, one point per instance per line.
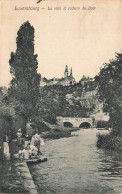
(33, 150)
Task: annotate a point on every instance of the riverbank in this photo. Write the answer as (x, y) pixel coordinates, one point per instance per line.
(109, 141)
(14, 173)
(16, 177)
(10, 181)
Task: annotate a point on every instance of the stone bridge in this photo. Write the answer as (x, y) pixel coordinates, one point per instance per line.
(75, 122)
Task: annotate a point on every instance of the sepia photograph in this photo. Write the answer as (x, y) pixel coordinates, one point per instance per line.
(61, 96)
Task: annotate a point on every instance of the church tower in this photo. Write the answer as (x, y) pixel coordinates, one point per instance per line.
(66, 72)
(71, 71)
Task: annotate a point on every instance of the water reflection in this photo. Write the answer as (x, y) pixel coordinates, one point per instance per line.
(76, 165)
(111, 164)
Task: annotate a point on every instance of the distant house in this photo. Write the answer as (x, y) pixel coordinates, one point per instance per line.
(53, 81)
(85, 80)
(67, 80)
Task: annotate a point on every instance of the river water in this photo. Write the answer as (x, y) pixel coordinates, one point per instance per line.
(76, 165)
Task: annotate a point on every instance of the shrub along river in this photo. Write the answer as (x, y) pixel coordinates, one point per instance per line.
(76, 165)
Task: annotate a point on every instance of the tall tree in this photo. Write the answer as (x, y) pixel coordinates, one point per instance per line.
(25, 83)
(110, 91)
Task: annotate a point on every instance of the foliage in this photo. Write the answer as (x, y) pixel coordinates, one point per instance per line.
(64, 101)
(24, 86)
(102, 124)
(52, 102)
(7, 114)
(109, 91)
(110, 141)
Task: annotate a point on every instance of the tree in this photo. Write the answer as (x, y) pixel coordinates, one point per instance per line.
(25, 83)
(7, 114)
(109, 90)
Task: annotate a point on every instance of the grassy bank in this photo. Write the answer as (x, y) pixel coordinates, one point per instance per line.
(109, 141)
(55, 134)
(57, 131)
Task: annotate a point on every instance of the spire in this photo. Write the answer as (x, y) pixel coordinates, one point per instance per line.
(66, 68)
(71, 71)
(66, 72)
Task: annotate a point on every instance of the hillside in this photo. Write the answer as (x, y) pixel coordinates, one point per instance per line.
(70, 101)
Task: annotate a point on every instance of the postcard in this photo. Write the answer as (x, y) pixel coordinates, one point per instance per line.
(60, 99)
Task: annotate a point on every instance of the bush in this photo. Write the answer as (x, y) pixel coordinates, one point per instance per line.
(109, 141)
(102, 124)
(41, 126)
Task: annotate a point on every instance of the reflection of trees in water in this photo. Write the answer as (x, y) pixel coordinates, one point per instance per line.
(111, 163)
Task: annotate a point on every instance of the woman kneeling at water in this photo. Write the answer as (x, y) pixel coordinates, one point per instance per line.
(37, 141)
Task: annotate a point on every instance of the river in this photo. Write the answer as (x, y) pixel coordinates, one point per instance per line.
(76, 165)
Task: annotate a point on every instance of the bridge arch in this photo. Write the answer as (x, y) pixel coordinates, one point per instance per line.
(85, 125)
(67, 124)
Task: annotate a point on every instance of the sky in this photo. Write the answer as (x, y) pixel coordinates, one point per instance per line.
(83, 39)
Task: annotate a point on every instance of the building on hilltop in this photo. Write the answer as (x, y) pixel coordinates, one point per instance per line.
(66, 72)
(85, 80)
(67, 80)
